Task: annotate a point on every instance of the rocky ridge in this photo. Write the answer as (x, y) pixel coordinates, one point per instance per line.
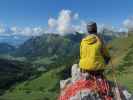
(66, 86)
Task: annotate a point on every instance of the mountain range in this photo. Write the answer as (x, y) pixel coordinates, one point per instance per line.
(52, 57)
(14, 40)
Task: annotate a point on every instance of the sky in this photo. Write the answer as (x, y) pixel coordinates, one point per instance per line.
(30, 17)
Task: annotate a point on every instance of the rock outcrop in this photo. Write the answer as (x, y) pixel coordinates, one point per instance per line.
(78, 87)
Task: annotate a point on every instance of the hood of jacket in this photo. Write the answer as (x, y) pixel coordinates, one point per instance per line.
(90, 39)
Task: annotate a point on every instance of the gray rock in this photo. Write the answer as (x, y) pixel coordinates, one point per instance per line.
(75, 73)
(64, 83)
(126, 94)
(88, 94)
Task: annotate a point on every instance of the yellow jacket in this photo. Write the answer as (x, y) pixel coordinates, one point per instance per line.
(92, 53)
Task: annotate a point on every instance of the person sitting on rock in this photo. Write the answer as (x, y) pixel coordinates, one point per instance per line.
(94, 56)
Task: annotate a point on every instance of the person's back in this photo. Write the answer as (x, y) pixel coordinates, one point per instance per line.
(93, 54)
(90, 54)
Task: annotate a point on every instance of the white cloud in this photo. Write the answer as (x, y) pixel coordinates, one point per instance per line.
(52, 23)
(107, 28)
(76, 16)
(128, 23)
(38, 30)
(27, 31)
(121, 29)
(15, 30)
(65, 23)
(2, 29)
(81, 27)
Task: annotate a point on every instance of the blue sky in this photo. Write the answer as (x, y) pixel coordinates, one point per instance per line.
(29, 13)
(37, 12)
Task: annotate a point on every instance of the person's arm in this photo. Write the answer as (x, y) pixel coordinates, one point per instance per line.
(106, 55)
(81, 50)
(104, 51)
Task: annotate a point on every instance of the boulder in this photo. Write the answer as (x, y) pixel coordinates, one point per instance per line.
(78, 87)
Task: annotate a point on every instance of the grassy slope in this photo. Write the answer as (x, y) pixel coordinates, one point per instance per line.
(122, 48)
(45, 87)
(45, 60)
(42, 88)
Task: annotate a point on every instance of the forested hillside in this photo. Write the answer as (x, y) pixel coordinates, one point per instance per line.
(46, 86)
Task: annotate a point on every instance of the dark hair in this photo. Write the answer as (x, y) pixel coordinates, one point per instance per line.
(92, 27)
